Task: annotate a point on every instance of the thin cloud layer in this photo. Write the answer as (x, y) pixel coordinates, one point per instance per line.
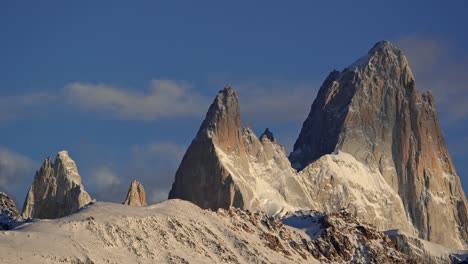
(165, 99)
(106, 178)
(16, 172)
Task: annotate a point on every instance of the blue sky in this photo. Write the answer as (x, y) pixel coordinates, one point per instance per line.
(124, 86)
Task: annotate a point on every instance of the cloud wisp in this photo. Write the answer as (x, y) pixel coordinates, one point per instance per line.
(165, 99)
(16, 172)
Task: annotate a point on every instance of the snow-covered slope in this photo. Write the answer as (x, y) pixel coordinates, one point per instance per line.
(177, 231)
(338, 181)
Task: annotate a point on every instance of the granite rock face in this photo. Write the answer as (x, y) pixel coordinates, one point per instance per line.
(9, 215)
(227, 166)
(373, 111)
(56, 191)
(136, 195)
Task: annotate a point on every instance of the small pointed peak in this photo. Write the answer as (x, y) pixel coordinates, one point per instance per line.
(63, 155)
(136, 195)
(269, 135)
(247, 127)
(384, 46)
(381, 51)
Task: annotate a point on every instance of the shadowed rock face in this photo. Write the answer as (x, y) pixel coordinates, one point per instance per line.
(9, 215)
(201, 178)
(373, 111)
(136, 195)
(56, 191)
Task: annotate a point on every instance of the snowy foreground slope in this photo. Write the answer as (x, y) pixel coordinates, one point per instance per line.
(177, 231)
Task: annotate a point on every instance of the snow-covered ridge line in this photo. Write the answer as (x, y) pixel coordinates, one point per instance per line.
(177, 231)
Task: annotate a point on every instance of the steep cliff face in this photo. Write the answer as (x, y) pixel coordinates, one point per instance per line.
(373, 111)
(136, 195)
(227, 166)
(56, 191)
(201, 178)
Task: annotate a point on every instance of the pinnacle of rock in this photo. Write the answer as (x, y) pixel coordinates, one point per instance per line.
(268, 135)
(56, 191)
(9, 215)
(136, 195)
(223, 123)
(374, 111)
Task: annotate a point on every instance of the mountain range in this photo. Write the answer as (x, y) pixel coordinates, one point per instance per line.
(370, 180)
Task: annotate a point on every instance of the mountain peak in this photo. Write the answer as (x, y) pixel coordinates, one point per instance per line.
(384, 45)
(269, 135)
(373, 110)
(222, 122)
(380, 56)
(56, 190)
(136, 195)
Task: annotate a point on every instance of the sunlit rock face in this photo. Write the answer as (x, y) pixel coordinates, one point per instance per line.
(136, 195)
(56, 191)
(226, 165)
(373, 111)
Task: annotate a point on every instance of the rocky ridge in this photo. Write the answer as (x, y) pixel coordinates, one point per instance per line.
(56, 191)
(177, 231)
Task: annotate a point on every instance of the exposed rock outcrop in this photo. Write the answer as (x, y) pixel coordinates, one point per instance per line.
(373, 110)
(9, 215)
(226, 166)
(56, 191)
(257, 175)
(136, 195)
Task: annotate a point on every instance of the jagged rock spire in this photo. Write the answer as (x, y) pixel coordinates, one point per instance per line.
(136, 195)
(201, 177)
(268, 135)
(373, 110)
(56, 191)
(223, 123)
(9, 215)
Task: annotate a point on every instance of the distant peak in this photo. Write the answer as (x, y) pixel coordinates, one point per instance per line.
(382, 50)
(63, 154)
(384, 46)
(268, 134)
(227, 92)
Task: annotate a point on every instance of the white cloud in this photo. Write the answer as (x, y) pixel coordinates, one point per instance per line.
(105, 178)
(165, 99)
(16, 173)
